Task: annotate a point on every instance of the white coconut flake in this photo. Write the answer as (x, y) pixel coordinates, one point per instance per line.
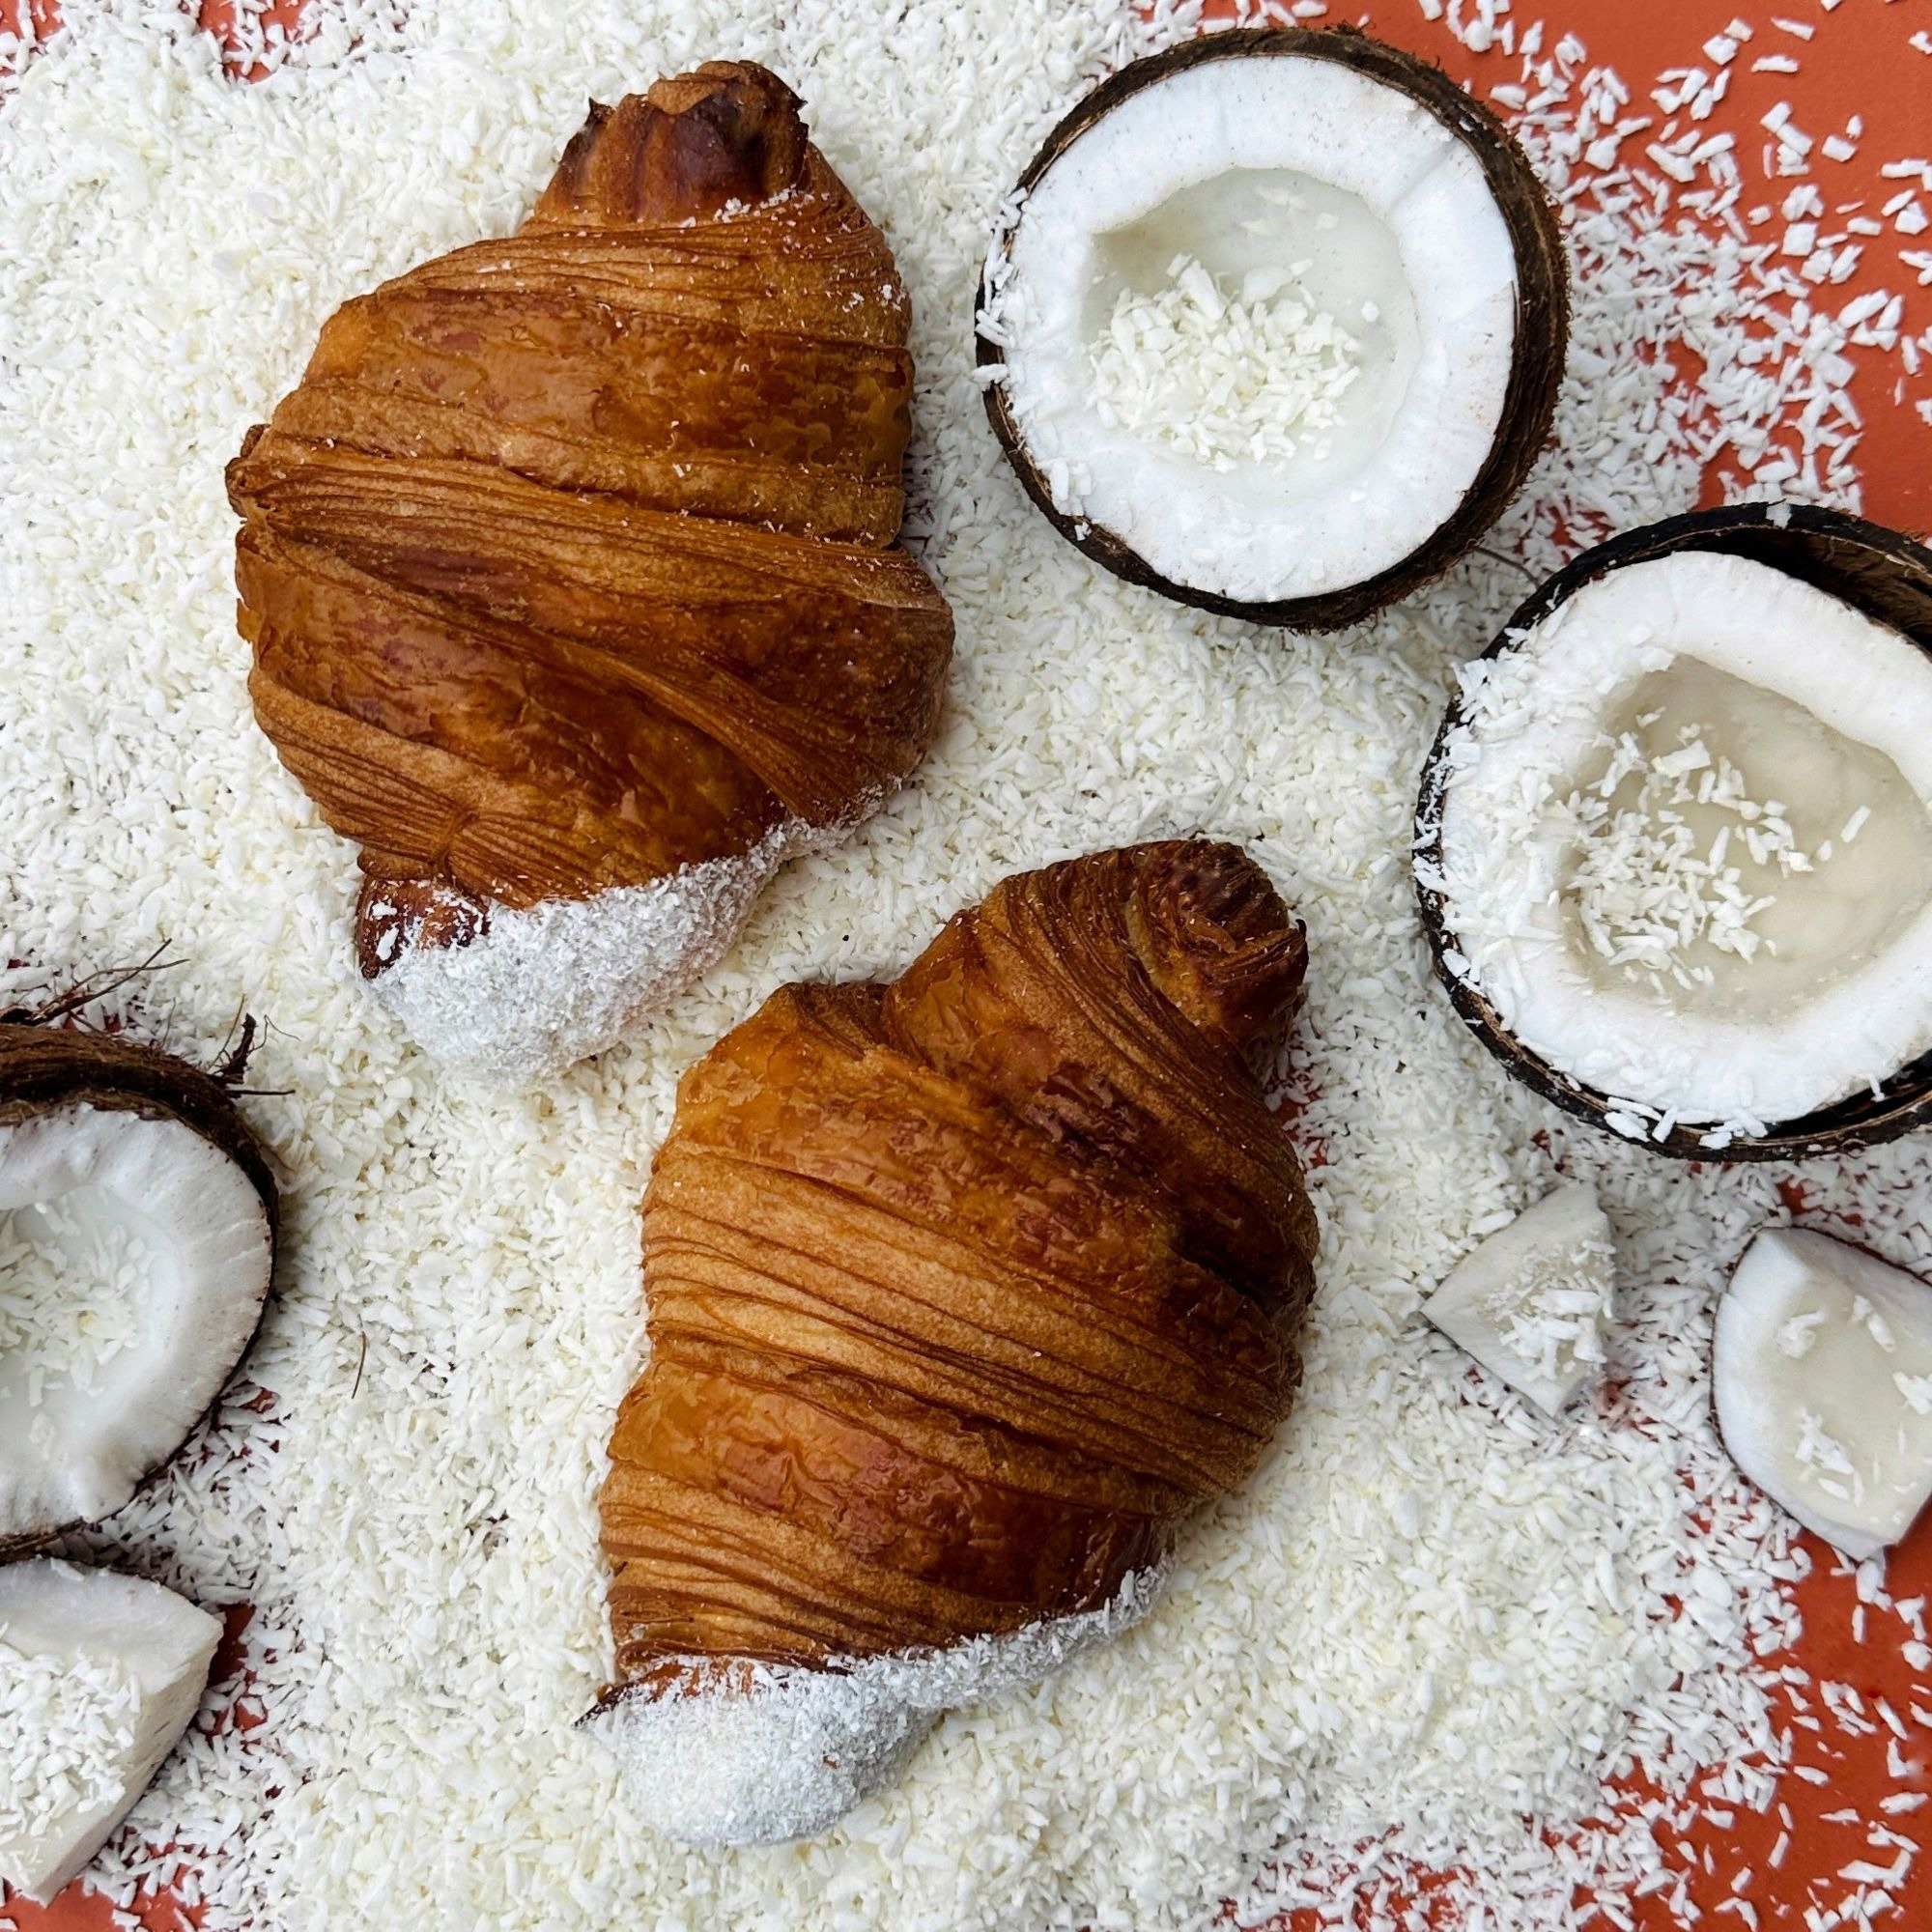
(1533, 1302)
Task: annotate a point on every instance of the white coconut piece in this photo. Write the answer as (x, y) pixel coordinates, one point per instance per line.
(1685, 849)
(134, 1260)
(789, 1753)
(1532, 1303)
(1822, 1377)
(99, 1675)
(1361, 275)
(546, 986)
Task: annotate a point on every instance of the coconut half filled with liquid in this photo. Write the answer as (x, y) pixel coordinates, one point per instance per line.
(1277, 325)
(1674, 845)
(137, 1243)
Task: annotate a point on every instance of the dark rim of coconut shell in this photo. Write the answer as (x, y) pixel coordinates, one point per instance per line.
(1877, 571)
(44, 1066)
(1542, 318)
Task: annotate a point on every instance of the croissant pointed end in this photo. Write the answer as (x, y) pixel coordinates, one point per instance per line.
(1216, 937)
(729, 131)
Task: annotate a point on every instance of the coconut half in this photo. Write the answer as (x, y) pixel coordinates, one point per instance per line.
(99, 1675)
(1675, 840)
(1822, 1381)
(1277, 323)
(137, 1239)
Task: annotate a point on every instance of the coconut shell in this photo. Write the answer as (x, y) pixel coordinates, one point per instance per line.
(1877, 571)
(42, 1067)
(1542, 318)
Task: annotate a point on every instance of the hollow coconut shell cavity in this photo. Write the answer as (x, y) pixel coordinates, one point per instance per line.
(1807, 635)
(1277, 325)
(139, 1218)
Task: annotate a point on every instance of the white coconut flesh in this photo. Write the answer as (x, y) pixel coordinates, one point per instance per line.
(99, 1675)
(1822, 1374)
(1685, 849)
(1258, 322)
(134, 1259)
(1532, 1303)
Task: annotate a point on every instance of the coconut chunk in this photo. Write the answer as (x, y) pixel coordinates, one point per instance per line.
(100, 1676)
(135, 1257)
(1822, 1375)
(1532, 1303)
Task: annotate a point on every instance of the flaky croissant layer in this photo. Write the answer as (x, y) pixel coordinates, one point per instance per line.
(570, 568)
(964, 1290)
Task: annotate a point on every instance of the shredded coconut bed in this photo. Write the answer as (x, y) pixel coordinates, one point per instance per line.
(1431, 1618)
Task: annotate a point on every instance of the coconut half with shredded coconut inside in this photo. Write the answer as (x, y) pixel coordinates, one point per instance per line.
(1822, 1384)
(1674, 844)
(1276, 324)
(137, 1243)
(99, 1675)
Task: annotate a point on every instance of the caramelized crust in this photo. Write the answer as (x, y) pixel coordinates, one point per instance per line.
(571, 561)
(963, 1290)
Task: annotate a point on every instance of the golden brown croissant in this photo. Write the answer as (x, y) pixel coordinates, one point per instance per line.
(963, 1290)
(570, 573)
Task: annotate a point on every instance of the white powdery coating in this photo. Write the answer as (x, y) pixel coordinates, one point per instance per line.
(787, 1755)
(543, 988)
(1427, 1618)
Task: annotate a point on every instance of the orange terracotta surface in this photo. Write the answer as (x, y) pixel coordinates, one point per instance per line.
(1861, 62)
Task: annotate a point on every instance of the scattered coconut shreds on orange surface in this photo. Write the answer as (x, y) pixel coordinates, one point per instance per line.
(1434, 1615)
